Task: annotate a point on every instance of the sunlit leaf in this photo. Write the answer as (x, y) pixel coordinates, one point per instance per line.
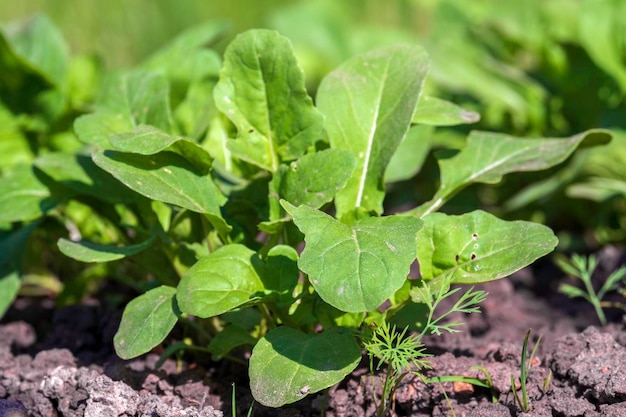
(146, 322)
(261, 90)
(368, 104)
(355, 268)
(220, 281)
(286, 365)
(478, 247)
(489, 156)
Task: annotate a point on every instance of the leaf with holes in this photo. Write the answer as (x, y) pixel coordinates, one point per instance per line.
(478, 247)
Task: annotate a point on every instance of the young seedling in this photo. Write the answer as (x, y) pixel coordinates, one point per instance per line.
(403, 354)
(525, 365)
(582, 268)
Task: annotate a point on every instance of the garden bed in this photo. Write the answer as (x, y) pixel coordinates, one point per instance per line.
(61, 362)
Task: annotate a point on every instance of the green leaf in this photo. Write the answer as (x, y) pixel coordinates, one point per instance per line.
(185, 58)
(489, 156)
(166, 177)
(355, 268)
(478, 247)
(229, 338)
(410, 155)
(23, 196)
(12, 245)
(148, 140)
(92, 252)
(221, 281)
(368, 104)
(40, 43)
(146, 322)
(79, 173)
(261, 90)
(601, 30)
(286, 365)
(281, 272)
(128, 100)
(437, 112)
(309, 181)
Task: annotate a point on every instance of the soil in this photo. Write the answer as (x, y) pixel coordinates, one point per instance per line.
(60, 362)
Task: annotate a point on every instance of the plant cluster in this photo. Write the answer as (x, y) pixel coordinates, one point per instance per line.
(236, 204)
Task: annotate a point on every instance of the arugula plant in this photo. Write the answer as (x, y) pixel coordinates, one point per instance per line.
(210, 184)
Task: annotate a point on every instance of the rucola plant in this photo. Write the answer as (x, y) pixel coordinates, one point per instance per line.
(221, 179)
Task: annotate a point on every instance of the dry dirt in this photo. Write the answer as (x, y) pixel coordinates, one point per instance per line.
(60, 362)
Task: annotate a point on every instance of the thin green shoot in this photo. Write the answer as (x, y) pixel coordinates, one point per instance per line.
(546, 382)
(233, 404)
(582, 268)
(525, 364)
(445, 395)
(477, 382)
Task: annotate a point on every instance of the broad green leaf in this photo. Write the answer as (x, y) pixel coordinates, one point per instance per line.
(148, 140)
(478, 247)
(355, 268)
(314, 179)
(23, 196)
(127, 101)
(287, 364)
(146, 322)
(261, 90)
(18, 77)
(368, 104)
(437, 112)
(601, 30)
(221, 281)
(489, 156)
(281, 272)
(407, 161)
(166, 177)
(12, 245)
(41, 44)
(96, 128)
(92, 252)
(79, 173)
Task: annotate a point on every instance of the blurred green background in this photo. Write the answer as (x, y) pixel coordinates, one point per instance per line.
(124, 32)
(523, 65)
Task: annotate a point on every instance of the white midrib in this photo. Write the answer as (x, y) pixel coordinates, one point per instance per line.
(370, 141)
